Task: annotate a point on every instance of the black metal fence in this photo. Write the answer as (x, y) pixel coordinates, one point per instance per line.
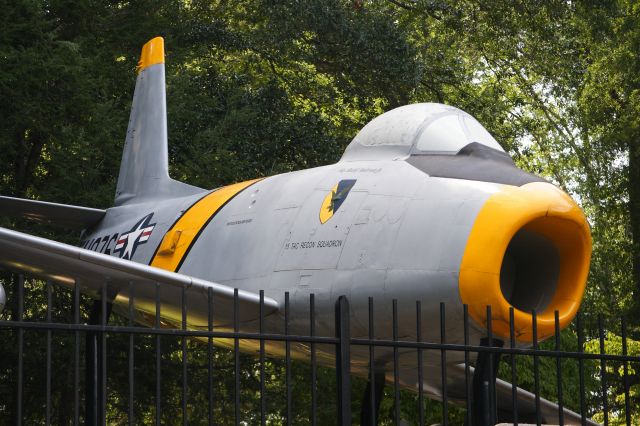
(591, 368)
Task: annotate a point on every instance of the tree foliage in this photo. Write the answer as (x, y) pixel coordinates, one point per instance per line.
(258, 87)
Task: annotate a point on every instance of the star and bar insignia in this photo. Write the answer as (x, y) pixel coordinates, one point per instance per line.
(129, 241)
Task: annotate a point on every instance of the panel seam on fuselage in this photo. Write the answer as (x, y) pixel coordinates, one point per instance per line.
(175, 222)
(202, 226)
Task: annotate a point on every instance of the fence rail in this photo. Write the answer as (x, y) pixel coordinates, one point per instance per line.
(600, 364)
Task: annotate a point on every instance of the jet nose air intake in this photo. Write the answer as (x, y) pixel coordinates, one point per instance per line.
(529, 249)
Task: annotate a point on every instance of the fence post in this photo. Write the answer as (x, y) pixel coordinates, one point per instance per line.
(95, 361)
(20, 391)
(343, 361)
(484, 382)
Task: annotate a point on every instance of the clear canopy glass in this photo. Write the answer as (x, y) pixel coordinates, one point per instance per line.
(426, 128)
(451, 132)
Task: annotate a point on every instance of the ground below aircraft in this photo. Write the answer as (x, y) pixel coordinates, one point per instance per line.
(423, 205)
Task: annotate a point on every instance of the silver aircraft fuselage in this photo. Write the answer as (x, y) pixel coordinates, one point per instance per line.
(424, 206)
(397, 234)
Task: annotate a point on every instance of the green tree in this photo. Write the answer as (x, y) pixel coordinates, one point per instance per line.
(258, 87)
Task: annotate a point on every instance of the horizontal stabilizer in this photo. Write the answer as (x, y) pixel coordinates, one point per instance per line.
(68, 264)
(56, 214)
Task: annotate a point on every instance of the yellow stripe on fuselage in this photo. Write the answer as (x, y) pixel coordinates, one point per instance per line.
(182, 235)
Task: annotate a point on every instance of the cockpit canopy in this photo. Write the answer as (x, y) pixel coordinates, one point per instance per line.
(426, 128)
(440, 140)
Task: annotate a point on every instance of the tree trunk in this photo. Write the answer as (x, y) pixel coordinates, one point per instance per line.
(634, 217)
(28, 158)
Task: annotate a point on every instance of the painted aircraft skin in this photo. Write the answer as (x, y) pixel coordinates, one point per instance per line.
(424, 206)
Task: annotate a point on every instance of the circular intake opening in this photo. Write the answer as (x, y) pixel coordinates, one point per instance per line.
(530, 271)
(529, 249)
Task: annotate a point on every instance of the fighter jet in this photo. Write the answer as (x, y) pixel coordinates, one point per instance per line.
(424, 205)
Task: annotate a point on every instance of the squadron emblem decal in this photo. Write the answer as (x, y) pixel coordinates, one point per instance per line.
(335, 198)
(128, 242)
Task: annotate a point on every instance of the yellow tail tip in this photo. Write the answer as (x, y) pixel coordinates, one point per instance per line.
(152, 53)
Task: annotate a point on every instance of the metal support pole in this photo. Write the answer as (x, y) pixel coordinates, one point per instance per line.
(20, 390)
(343, 362)
(94, 409)
(484, 385)
(378, 387)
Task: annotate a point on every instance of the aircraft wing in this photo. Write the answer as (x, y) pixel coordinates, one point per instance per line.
(67, 264)
(526, 401)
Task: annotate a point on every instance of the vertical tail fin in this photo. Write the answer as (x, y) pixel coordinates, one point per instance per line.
(144, 170)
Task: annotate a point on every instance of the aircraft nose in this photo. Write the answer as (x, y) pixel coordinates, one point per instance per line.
(530, 249)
